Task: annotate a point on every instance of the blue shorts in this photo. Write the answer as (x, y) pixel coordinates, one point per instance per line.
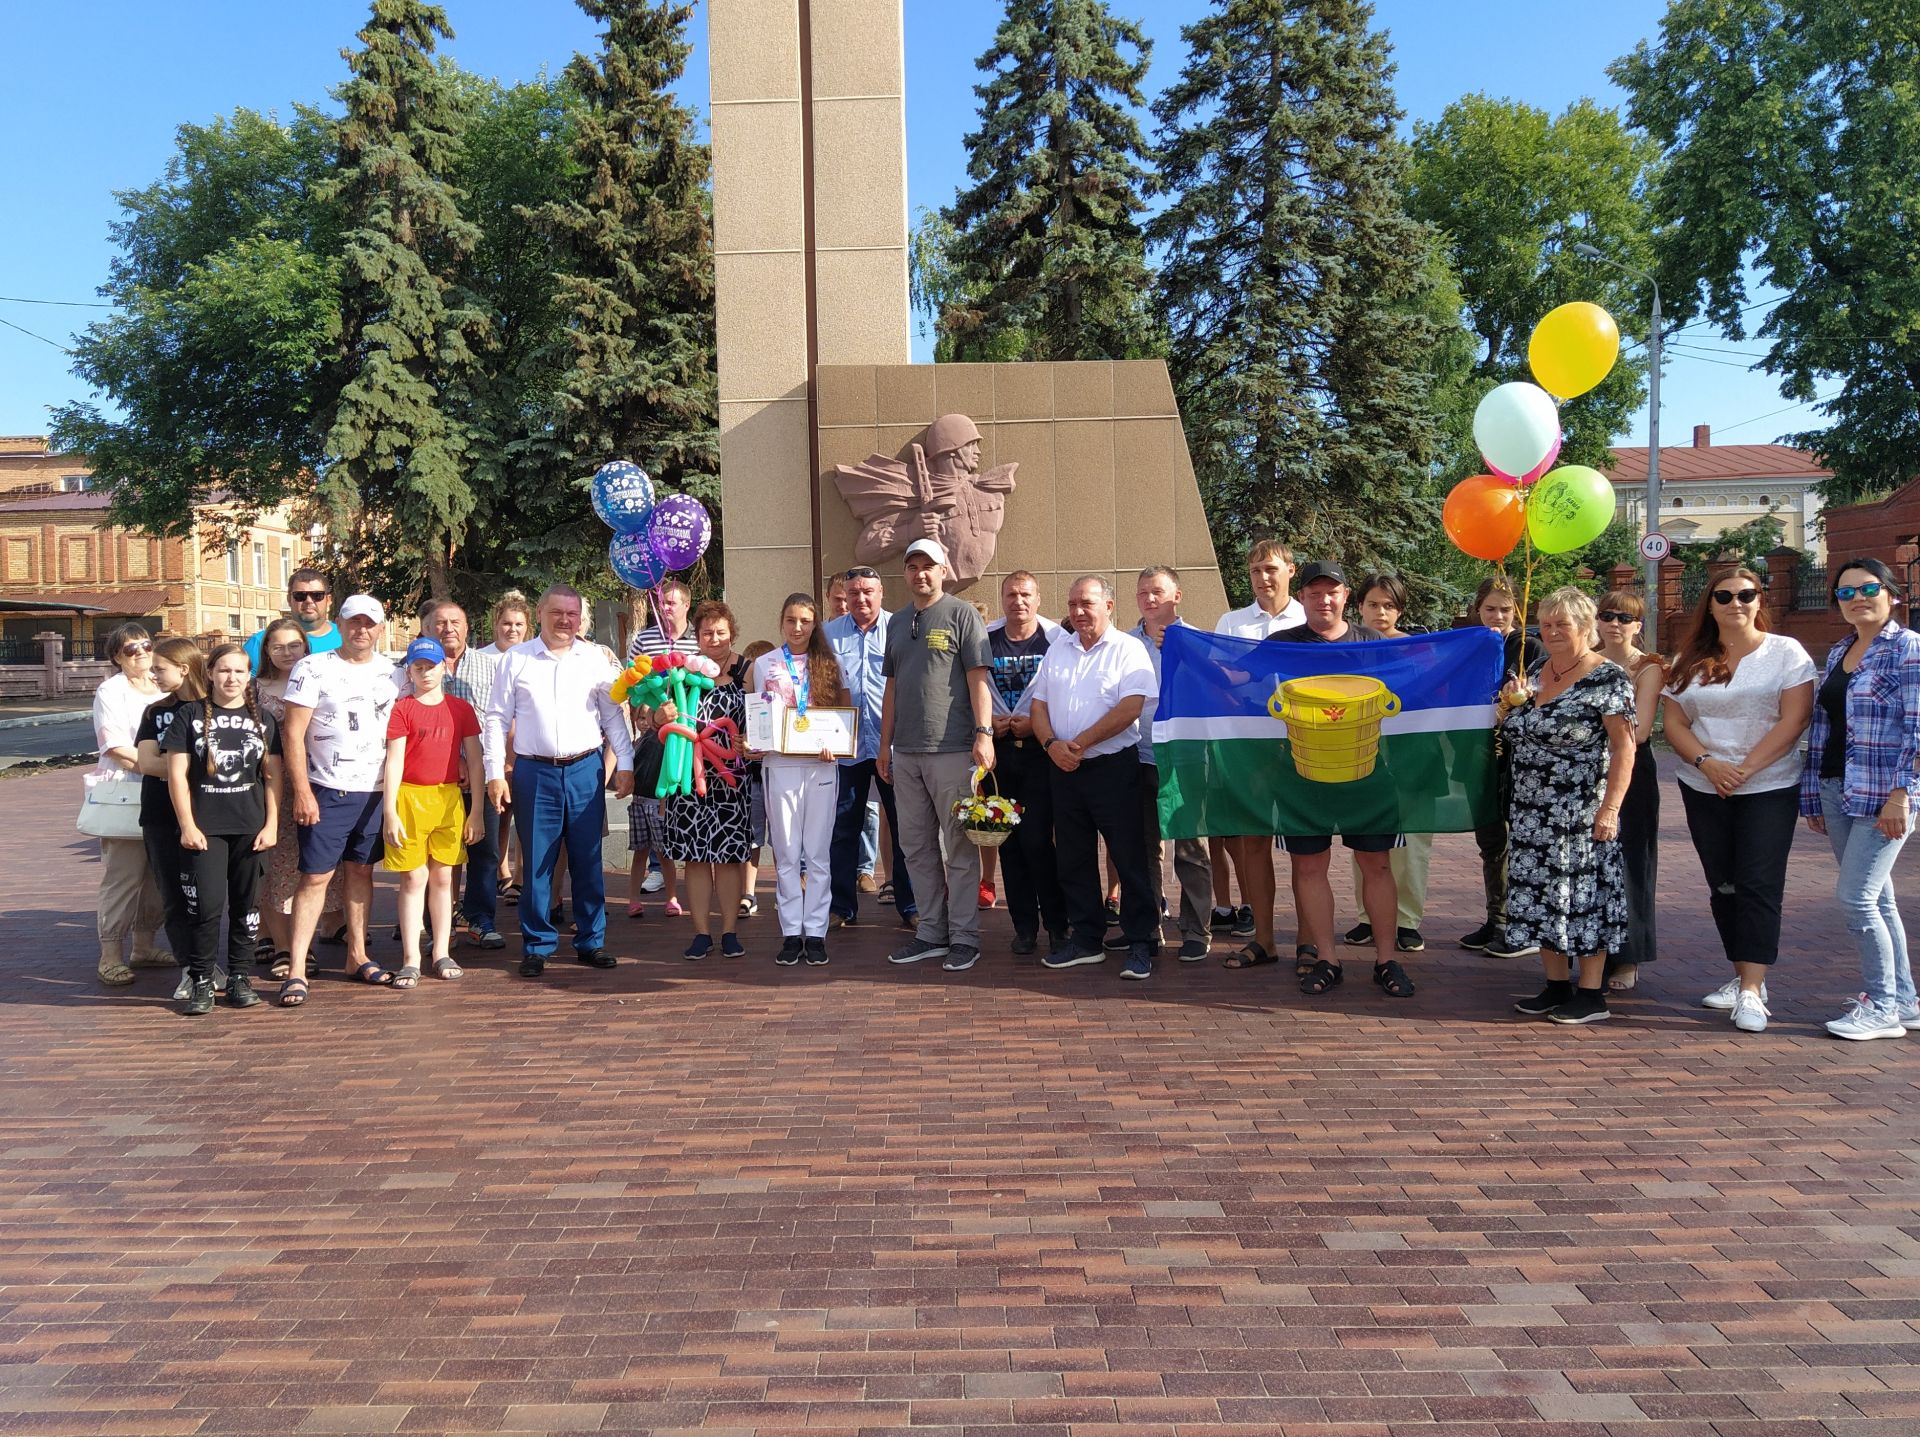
(348, 830)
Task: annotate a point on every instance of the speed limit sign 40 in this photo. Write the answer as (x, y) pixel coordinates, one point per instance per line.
(1655, 547)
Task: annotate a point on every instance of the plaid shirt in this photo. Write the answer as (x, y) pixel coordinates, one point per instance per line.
(1883, 725)
(472, 679)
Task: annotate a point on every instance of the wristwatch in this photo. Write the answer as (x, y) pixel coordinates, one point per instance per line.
(1701, 761)
(987, 731)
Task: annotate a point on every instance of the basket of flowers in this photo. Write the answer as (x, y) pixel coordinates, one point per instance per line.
(986, 818)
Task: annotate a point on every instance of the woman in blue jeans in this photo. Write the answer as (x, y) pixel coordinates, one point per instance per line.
(1863, 763)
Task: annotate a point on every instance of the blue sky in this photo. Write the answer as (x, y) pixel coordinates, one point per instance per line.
(94, 93)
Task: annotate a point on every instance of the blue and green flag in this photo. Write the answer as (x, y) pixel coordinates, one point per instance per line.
(1255, 736)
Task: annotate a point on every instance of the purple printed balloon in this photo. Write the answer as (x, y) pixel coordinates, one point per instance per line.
(634, 561)
(680, 530)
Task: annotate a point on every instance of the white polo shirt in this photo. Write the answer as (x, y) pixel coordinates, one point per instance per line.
(556, 705)
(1254, 622)
(1080, 685)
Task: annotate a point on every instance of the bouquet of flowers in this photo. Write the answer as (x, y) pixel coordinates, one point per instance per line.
(987, 818)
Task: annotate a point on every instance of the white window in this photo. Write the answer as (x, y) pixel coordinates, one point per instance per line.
(286, 564)
(233, 565)
(260, 564)
(75, 483)
(233, 624)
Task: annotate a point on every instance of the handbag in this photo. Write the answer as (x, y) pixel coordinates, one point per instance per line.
(111, 807)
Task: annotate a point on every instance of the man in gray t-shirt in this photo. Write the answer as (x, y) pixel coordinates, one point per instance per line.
(935, 727)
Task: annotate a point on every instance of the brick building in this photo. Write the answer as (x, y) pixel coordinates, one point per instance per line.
(1707, 489)
(56, 546)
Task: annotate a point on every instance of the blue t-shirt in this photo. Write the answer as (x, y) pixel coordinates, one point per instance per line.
(321, 644)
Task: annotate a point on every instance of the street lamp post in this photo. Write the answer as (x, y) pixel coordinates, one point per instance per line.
(1652, 622)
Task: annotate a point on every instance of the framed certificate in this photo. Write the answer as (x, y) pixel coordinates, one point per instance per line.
(822, 730)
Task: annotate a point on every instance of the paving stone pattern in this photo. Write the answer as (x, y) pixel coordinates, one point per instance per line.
(735, 1198)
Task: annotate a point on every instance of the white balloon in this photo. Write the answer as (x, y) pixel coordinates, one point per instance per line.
(1515, 427)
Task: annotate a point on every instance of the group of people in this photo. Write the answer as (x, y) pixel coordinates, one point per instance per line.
(420, 767)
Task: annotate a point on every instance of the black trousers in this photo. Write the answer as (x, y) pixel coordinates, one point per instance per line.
(163, 857)
(225, 878)
(1491, 839)
(843, 854)
(1028, 864)
(1101, 800)
(1743, 843)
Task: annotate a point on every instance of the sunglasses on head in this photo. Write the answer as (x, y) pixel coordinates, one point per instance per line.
(861, 571)
(308, 596)
(1617, 616)
(1864, 591)
(1728, 596)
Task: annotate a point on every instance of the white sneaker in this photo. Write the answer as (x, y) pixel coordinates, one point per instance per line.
(1722, 999)
(1750, 1012)
(1910, 1017)
(653, 882)
(1866, 1019)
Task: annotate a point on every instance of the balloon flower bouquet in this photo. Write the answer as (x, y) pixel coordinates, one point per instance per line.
(650, 541)
(1517, 429)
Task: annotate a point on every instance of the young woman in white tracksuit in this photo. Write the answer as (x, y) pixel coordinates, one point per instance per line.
(802, 792)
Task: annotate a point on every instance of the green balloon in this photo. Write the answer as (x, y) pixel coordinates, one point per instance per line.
(1568, 507)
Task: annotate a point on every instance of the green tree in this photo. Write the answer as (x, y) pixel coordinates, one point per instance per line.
(634, 269)
(226, 296)
(1046, 253)
(1509, 189)
(1297, 291)
(394, 449)
(1792, 143)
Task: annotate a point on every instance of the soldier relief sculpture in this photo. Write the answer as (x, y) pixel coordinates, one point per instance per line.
(940, 494)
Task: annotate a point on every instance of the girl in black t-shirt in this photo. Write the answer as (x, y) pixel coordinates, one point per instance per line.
(224, 777)
(180, 670)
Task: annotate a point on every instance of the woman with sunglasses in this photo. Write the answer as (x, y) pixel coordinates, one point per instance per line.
(1619, 623)
(1737, 701)
(1863, 763)
(128, 904)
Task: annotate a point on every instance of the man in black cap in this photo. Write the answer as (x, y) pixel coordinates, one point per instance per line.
(1324, 593)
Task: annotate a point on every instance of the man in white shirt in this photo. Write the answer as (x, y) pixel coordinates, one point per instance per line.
(552, 694)
(335, 746)
(1087, 700)
(1269, 575)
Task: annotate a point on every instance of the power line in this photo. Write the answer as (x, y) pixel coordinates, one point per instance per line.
(41, 337)
(64, 303)
(1720, 429)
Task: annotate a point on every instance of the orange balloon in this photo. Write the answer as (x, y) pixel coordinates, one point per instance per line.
(1484, 516)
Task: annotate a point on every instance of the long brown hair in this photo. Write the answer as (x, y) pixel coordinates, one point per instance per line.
(252, 695)
(823, 670)
(185, 655)
(1702, 655)
(267, 669)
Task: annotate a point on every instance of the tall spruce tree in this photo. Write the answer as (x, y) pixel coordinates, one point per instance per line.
(1047, 257)
(396, 478)
(1295, 285)
(634, 250)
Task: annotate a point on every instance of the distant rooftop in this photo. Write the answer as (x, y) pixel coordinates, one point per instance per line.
(1704, 460)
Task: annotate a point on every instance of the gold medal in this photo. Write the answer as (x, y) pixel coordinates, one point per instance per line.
(801, 723)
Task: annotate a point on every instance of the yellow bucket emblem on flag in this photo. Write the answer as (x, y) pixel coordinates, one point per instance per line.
(1333, 723)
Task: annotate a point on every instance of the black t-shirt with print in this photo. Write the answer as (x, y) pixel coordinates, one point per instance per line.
(1301, 634)
(1015, 662)
(156, 806)
(232, 799)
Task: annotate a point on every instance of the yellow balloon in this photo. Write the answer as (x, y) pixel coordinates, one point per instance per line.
(1573, 348)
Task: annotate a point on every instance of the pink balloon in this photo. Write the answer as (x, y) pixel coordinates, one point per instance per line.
(1541, 468)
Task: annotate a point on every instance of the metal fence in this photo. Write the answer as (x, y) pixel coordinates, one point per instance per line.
(21, 651)
(1810, 587)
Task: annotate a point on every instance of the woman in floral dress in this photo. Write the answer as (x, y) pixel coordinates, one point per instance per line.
(1569, 727)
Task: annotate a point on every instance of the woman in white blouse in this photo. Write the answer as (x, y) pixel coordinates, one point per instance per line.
(128, 906)
(1737, 700)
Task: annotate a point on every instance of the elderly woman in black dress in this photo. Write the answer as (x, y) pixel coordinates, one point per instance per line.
(1569, 725)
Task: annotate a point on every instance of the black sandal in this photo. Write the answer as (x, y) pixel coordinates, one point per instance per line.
(1393, 979)
(1305, 955)
(1252, 955)
(1323, 978)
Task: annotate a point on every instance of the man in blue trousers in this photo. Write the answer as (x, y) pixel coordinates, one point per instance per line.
(551, 696)
(859, 639)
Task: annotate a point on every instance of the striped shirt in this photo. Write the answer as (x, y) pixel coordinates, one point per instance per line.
(1883, 725)
(653, 642)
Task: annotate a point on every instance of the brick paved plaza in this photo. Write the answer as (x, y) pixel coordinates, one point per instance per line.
(736, 1198)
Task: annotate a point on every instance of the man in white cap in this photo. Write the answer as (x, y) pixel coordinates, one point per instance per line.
(335, 744)
(936, 725)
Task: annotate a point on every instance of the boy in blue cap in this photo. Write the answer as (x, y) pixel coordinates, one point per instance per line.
(430, 734)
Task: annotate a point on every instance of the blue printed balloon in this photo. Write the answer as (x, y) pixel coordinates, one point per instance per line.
(623, 496)
(635, 562)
